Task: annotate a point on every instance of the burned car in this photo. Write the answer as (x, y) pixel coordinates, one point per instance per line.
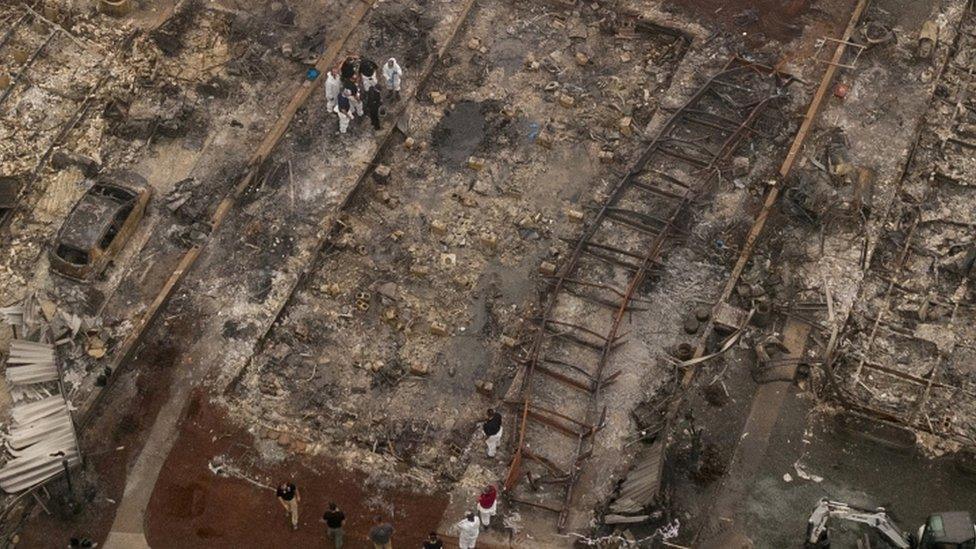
(99, 225)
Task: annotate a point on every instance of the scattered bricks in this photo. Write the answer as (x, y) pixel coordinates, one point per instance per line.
(566, 100)
(476, 163)
(448, 260)
(409, 142)
(419, 270)
(625, 126)
(419, 369)
(438, 227)
(606, 156)
(382, 173)
(544, 139)
(740, 166)
(509, 342)
(333, 290)
(488, 240)
(438, 97)
(474, 44)
(390, 314)
(581, 58)
(625, 57)
(438, 328)
(547, 268)
(574, 215)
(20, 54)
(485, 387)
(530, 63)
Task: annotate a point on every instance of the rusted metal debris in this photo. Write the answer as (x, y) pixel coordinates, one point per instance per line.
(862, 380)
(677, 166)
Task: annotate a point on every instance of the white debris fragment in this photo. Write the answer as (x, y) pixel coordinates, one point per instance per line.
(804, 474)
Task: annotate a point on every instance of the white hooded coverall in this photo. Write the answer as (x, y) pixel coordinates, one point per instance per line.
(393, 74)
(468, 531)
(333, 87)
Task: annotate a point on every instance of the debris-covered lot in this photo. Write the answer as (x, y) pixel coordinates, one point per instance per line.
(696, 253)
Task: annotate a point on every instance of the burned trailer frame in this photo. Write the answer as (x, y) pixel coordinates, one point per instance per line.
(933, 392)
(665, 151)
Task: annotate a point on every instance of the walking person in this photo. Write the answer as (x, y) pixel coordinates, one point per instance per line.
(373, 105)
(289, 497)
(433, 541)
(344, 110)
(493, 431)
(487, 504)
(468, 530)
(381, 534)
(333, 519)
(333, 87)
(393, 74)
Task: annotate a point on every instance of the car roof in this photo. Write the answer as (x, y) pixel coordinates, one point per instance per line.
(957, 527)
(89, 221)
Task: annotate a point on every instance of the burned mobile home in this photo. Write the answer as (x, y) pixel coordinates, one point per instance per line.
(708, 260)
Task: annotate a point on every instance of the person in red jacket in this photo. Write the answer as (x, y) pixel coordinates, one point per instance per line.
(487, 502)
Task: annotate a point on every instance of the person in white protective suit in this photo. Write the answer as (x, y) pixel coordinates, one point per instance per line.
(468, 530)
(333, 87)
(343, 108)
(393, 74)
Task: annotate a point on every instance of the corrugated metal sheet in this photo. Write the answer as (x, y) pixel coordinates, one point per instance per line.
(13, 315)
(639, 488)
(41, 432)
(31, 362)
(30, 412)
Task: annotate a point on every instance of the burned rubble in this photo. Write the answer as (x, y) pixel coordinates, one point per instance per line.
(703, 257)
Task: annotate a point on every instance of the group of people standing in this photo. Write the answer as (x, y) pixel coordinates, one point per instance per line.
(381, 533)
(353, 89)
(471, 525)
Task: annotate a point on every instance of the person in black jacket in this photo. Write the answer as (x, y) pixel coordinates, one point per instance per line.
(373, 105)
(334, 518)
(433, 541)
(289, 497)
(493, 431)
